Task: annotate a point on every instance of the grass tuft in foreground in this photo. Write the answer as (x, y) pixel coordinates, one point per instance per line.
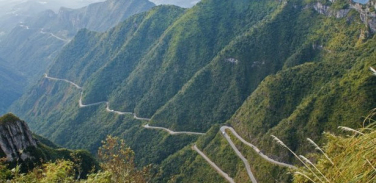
(349, 157)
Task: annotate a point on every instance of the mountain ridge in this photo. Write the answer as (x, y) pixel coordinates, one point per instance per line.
(284, 70)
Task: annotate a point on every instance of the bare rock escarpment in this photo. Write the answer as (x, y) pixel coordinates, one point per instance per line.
(15, 138)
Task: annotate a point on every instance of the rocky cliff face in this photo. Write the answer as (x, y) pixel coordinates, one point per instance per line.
(327, 11)
(367, 15)
(15, 138)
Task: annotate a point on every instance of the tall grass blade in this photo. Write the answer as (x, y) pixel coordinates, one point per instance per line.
(318, 148)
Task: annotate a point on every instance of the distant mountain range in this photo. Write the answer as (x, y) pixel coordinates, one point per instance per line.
(16, 12)
(31, 46)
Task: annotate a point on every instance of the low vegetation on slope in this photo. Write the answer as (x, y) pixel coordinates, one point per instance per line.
(11, 86)
(8, 118)
(348, 157)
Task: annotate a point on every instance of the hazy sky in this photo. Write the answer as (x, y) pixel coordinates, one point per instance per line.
(361, 1)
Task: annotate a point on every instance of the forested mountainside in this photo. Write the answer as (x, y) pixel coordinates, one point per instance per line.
(11, 87)
(292, 69)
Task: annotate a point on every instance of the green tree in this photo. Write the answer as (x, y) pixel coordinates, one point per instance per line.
(118, 159)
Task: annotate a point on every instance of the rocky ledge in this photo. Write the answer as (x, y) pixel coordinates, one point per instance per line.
(15, 138)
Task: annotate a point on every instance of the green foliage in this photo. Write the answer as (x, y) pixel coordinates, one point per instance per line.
(353, 157)
(340, 4)
(11, 86)
(220, 88)
(305, 100)
(118, 159)
(117, 163)
(5, 173)
(8, 118)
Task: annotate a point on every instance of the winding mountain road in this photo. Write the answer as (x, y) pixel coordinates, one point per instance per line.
(81, 105)
(222, 130)
(239, 154)
(53, 35)
(67, 81)
(173, 132)
(116, 112)
(89, 105)
(212, 164)
(142, 119)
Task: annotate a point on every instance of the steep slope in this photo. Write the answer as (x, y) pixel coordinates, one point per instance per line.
(301, 101)
(264, 67)
(182, 50)
(305, 100)
(11, 87)
(219, 88)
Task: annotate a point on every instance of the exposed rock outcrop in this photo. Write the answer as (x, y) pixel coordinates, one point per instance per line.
(366, 15)
(15, 138)
(327, 11)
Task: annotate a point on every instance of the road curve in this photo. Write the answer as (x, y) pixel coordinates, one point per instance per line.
(212, 164)
(88, 105)
(53, 35)
(81, 105)
(142, 119)
(172, 132)
(116, 112)
(245, 161)
(223, 130)
(67, 81)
